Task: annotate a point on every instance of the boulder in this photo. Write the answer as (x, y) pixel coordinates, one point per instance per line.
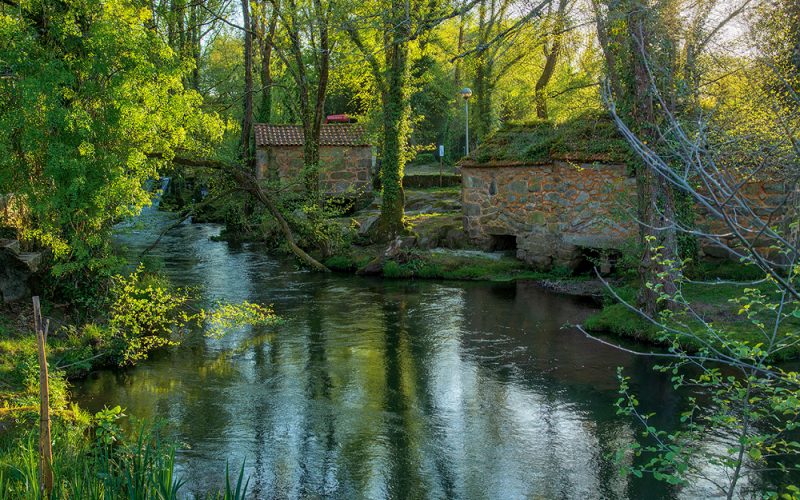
(14, 276)
(367, 225)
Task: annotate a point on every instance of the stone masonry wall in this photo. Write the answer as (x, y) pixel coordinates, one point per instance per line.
(552, 210)
(343, 170)
(772, 202)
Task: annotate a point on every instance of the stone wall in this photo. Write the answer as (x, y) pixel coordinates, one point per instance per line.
(772, 202)
(556, 211)
(343, 170)
(552, 210)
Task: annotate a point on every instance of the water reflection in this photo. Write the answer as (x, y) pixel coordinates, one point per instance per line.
(387, 389)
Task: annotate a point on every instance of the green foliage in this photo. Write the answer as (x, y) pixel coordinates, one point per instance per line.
(25, 375)
(92, 92)
(144, 309)
(752, 403)
(107, 430)
(146, 304)
(340, 263)
(315, 226)
(131, 466)
(225, 316)
(561, 272)
(391, 269)
(424, 159)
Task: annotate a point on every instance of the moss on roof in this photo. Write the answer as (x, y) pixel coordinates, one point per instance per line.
(588, 138)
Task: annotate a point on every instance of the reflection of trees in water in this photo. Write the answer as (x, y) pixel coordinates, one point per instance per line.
(404, 390)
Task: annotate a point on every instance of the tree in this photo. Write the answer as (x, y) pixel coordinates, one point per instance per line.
(715, 157)
(88, 91)
(502, 41)
(304, 46)
(385, 46)
(551, 50)
(631, 33)
(390, 76)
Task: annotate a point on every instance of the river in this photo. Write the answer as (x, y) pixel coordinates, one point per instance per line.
(388, 389)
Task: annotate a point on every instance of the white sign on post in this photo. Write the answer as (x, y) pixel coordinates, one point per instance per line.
(441, 150)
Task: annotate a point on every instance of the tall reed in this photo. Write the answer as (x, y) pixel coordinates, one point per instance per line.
(144, 470)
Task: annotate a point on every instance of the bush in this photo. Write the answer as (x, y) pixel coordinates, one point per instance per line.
(424, 159)
(145, 308)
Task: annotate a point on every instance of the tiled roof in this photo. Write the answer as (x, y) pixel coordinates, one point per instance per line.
(333, 134)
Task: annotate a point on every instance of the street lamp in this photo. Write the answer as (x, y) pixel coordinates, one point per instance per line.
(466, 94)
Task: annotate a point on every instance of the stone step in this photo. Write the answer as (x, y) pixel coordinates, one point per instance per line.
(31, 259)
(12, 245)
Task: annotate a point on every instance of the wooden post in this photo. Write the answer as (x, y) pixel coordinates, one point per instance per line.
(45, 451)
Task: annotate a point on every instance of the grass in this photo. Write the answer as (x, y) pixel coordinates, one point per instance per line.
(451, 266)
(709, 304)
(591, 137)
(134, 466)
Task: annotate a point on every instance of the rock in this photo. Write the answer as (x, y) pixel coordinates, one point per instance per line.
(393, 252)
(14, 276)
(367, 225)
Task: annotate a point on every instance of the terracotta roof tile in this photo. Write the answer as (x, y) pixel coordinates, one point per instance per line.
(333, 134)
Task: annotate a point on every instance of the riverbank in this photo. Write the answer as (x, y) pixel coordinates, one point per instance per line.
(436, 247)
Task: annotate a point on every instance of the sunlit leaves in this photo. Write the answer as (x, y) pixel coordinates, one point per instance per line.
(91, 93)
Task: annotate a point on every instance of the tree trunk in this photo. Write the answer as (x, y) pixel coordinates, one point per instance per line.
(609, 53)
(395, 130)
(551, 58)
(484, 75)
(265, 48)
(484, 94)
(457, 76)
(195, 45)
(245, 150)
(657, 268)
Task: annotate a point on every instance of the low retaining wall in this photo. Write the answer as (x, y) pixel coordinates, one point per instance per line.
(425, 181)
(551, 210)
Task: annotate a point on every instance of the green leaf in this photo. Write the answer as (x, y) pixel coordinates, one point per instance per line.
(755, 453)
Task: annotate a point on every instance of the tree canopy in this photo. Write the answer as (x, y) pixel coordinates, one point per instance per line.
(88, 90)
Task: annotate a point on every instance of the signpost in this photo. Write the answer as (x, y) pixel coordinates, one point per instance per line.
(441, 159)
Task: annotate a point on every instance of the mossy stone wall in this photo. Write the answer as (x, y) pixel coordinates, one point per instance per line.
(557, 210)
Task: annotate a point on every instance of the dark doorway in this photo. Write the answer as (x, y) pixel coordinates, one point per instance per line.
(503, 243)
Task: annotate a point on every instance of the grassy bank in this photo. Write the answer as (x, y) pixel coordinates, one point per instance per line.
(715, 312)
(142, 311)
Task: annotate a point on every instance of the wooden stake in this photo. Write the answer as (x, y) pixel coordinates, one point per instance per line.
(45, 451)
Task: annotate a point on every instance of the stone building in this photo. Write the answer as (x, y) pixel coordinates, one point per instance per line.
(551, 213)
(560, 195)
(553, 194)
(344, 152)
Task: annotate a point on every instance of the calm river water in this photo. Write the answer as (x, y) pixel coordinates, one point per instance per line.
(381, 389)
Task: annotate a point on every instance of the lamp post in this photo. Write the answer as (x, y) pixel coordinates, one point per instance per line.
(466, 94)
